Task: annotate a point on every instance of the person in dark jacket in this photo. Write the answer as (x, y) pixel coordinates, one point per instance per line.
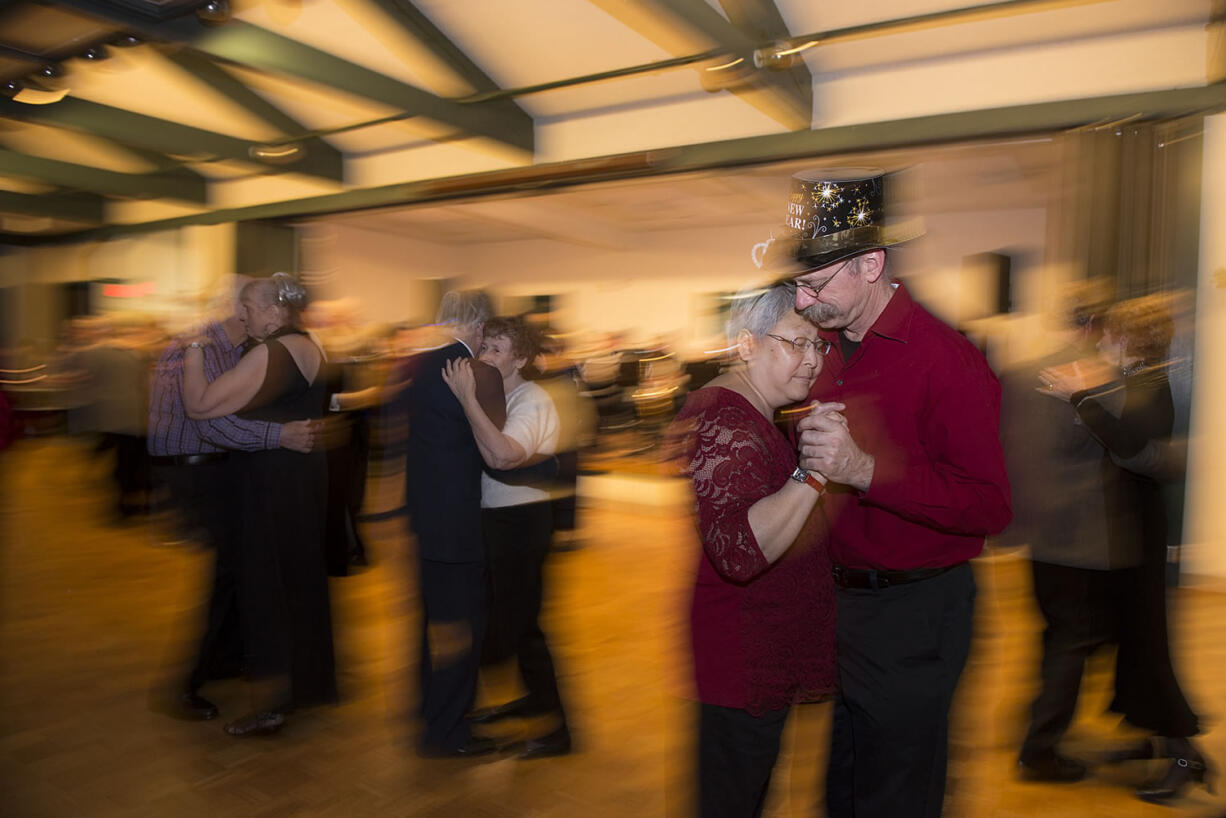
(1125, 402)
(443, 497)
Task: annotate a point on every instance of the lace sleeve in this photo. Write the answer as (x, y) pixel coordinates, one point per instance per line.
(730, 467)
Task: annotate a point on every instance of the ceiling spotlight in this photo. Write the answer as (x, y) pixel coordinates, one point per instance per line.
(126, 41)
(214, 12)
(10, 88)
(96, 53)
(779, 57)
(50, 75)
(277, 154)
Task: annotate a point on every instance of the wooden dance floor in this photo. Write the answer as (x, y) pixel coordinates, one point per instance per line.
(97, 619)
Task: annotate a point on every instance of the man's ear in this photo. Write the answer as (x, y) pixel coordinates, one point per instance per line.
(872, 265)
(746, 345)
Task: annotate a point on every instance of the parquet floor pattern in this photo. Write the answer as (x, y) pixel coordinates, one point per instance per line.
(96, 620)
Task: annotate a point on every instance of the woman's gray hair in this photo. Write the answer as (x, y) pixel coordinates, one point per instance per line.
(466, 308)
(758, 311)
(279, 288)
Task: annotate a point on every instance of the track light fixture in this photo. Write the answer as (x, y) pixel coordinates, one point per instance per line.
(214, 12)
(11, 88)
(726, 73)
(127, 41)
(50, 75)
(277, 154)
(96, 53)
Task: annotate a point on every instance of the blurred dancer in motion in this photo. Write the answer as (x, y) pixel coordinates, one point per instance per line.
(443, 496)
(576, 433)
(282, 502)
(1124, 399)
(516, 521)
(118, 367)
(1059, 505)
(191, 462)
(762, 614)
(917, 481)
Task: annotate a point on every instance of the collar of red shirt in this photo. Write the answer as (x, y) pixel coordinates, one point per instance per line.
(895, 320)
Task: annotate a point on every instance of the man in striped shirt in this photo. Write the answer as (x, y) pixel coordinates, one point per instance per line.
(190, 459)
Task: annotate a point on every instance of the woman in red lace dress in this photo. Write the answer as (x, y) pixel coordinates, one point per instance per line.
(762, 617)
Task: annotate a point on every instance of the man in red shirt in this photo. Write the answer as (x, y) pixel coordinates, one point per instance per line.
(912, 452)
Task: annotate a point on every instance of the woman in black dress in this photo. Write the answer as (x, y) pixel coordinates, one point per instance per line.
(284, 588)
(1125, 402)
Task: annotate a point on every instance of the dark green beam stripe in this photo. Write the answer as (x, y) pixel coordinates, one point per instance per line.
(321, 158)
(159, 161)
(996, 123)
(146, 132)
(244, 44)
(68, 206)
(97, 180)
(259, 48)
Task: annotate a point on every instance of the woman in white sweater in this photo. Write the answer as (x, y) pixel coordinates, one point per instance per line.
(516, 522)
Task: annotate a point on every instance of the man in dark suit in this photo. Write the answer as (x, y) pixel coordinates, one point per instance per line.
(443, 497)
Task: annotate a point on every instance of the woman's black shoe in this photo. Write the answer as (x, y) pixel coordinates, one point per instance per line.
(257, 724)
(1145, 749)
(1051, 767)
(556, 743)
(1181, 772)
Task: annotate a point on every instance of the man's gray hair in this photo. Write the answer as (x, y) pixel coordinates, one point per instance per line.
(758, 311)
(465, 308)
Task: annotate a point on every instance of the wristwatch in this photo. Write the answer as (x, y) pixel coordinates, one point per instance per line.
(802, 476)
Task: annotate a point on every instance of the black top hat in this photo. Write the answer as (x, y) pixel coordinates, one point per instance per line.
(833, 214)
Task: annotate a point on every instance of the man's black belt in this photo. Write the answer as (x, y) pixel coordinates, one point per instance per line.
(190, 459)
(873, 578)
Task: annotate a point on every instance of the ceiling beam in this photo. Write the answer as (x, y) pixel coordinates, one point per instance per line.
(254, 47)
(321, 159)
(73, 207)
(778, 94)
(951, 128)
(423, 29)
(150, 133)
(98, 180)
(760, 21)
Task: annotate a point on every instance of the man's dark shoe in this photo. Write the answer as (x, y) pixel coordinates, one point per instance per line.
(520, 708)
(264, 723)
(475, 746)
(195, 706)
(556, 743)
(1051, 767)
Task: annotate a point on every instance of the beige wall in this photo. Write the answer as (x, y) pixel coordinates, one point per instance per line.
(1204, 526)
(389, 276)
(188, 267)
(661, 286)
